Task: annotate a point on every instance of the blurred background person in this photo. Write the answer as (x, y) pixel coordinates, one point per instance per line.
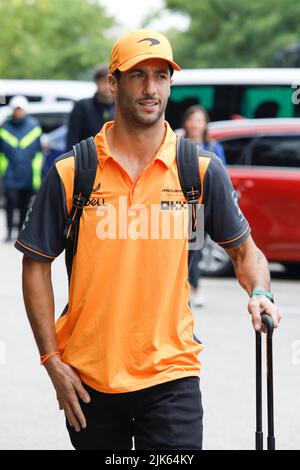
(194, 123)
(21, 161)
(54, 145)
(89, 115)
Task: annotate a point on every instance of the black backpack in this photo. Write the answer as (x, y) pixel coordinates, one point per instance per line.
(86, 161)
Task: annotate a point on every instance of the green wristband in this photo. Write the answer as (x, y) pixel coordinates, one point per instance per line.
(267, 294)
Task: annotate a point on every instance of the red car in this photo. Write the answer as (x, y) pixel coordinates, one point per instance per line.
(263, 158)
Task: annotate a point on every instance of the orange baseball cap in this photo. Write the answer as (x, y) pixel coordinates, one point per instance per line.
(139, 45)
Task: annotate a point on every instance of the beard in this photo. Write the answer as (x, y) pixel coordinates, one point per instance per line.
(133, 113)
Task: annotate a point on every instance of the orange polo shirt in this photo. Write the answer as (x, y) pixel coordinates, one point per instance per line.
(128, 324)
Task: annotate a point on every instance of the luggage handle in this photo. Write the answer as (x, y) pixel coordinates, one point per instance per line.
(268, 322)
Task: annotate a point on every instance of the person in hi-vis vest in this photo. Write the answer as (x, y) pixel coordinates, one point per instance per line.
(20, 160)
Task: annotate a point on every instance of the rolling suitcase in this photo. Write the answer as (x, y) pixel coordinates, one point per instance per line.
(267, 320)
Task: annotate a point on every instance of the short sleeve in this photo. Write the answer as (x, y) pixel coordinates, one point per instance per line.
(41, 236)
(224, 220)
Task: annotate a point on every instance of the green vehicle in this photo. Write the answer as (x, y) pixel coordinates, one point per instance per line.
(233, 93)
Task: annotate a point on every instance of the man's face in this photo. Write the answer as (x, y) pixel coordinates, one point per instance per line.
(19, 113)
(195, 125)
(142, 92)
(103, 89)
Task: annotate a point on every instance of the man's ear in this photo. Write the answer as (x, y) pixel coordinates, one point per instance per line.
(113, 84)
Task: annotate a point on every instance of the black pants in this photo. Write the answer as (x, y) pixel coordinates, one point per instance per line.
(16, 199)
(165, 416)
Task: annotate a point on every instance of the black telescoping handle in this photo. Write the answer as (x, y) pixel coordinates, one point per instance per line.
(259, 444)
(268, 321)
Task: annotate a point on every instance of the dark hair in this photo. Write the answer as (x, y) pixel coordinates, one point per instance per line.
(117, 73)
(101, 72)
(196, 108)
(171, 69)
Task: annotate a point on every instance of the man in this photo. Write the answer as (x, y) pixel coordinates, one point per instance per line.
(21, 160)
(123, 357)
(89, 115)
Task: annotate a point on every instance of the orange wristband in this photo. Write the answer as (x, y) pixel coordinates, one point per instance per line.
(46, 357)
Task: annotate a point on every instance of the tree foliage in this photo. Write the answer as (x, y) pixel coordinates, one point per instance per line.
(52, 39)
(234, 33)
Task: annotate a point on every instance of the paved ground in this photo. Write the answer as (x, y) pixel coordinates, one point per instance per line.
(29, 415)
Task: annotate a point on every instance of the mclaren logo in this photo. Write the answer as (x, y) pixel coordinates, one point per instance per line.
(171, 190)
(153, 41)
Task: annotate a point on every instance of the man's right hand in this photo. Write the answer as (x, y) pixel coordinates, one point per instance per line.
(68, 387)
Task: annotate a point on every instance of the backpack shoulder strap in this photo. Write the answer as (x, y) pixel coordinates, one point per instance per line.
(188, 169)
(86, 162)
(191, 172)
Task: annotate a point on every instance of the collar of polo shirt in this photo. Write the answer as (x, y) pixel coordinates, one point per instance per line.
(165, 153)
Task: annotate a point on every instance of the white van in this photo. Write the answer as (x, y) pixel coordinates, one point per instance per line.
(50, 115)
(225, 93)
(46, 90)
